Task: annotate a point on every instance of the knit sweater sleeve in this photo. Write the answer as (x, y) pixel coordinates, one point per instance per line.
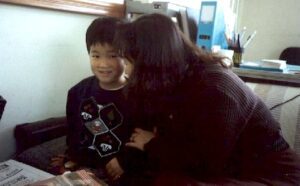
(209, 125)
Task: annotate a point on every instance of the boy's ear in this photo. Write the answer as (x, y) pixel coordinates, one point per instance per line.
(128, 68)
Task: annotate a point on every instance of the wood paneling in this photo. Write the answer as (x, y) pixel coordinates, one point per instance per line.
(79, 6)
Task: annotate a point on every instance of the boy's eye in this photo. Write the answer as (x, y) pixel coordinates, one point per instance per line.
(114, 55)
(95, 56)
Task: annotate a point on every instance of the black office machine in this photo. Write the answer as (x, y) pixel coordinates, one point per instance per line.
(186, 18)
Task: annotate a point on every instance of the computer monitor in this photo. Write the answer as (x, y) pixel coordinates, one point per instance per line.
(186, 18)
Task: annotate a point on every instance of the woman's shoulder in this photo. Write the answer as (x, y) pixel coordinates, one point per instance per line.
(215, 77)
(210, 74)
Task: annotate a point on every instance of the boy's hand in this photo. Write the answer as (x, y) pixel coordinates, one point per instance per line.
(57, 164)
(114, 169)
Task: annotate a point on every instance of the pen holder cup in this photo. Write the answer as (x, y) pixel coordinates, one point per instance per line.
(237, 56)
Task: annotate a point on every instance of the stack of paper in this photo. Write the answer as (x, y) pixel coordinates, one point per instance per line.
(274, 63)
(266, 64)
(14, 173)
(294, 69)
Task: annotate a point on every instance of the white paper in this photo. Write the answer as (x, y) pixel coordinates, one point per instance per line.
(14, 173)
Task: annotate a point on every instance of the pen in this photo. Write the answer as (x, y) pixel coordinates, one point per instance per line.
(228, 39)
(243, 33)
(249, 39)
(238, 41)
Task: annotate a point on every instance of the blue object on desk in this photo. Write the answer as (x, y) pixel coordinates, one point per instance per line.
(258, 65)
(261, 68)
(293, 68)
(289, 68)
(211, 26)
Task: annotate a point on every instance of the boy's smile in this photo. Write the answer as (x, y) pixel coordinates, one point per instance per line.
(105, 73)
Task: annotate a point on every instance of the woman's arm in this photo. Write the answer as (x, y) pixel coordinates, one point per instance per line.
(204, 132)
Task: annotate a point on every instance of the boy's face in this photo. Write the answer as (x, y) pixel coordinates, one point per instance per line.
(107, 66)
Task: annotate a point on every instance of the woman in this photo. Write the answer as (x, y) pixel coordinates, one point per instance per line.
(194, 117)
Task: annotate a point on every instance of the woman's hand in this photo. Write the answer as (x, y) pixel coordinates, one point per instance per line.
(113, 168)
(140, 137)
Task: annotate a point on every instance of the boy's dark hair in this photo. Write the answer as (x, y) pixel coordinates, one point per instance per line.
(101, 30)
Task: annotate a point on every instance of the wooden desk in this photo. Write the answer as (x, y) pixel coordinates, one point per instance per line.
(268, 76)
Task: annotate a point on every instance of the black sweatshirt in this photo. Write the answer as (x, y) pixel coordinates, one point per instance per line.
(85, 137)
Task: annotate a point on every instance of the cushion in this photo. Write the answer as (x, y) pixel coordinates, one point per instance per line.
(34, 133)
(40, 156)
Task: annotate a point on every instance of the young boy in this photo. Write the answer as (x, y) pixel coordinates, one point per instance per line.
(96, 108)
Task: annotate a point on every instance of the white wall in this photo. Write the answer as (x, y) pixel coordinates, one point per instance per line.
(42, 54)
(277, 24)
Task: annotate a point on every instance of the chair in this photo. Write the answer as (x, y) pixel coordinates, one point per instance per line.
(291, 55)
(2, 105)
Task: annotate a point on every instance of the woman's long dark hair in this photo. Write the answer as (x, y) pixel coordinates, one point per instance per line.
(160, 54)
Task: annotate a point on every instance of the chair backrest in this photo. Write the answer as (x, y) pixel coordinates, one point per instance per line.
(291, 55)
(2, 105)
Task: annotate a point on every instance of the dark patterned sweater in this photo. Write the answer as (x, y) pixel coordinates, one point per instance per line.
(214, 126)
(86, 133)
